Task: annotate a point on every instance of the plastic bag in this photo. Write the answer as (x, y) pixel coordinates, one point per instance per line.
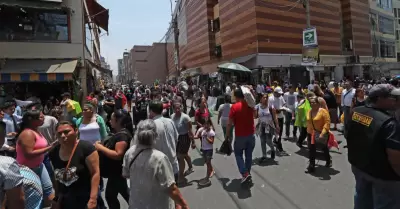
(226, 148)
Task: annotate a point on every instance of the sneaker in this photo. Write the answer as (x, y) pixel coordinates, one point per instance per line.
(272, 155)
(189, 171)
(246, 178)
(205, 182)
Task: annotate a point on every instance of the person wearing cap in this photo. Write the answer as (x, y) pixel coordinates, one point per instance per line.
(277, 102)
(374, 150)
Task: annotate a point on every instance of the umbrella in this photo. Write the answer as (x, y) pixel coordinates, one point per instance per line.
(234, 66)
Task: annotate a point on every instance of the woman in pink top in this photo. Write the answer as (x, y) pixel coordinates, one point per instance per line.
(32, 146)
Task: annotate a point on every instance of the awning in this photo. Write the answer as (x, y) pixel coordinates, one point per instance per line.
(98, 14)
(191, 72)
(34, 4)
(37, 70)
(244, 58)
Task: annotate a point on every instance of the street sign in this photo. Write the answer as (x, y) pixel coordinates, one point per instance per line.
(310, 37)
(310, 56)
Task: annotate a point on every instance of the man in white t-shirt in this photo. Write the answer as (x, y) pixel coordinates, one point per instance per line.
(290, 99)
(277, 102)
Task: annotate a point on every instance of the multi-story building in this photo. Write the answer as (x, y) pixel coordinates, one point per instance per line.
(126, 74)
(383, 14)
(266, 36)
(51, 40)
(148, 63)
(120, 66)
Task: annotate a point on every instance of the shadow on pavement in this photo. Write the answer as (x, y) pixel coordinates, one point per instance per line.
(323, 173)
(265, 163)
(304, 152)
(198, 161)
(236, 186)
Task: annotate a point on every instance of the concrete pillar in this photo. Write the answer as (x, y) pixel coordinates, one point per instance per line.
(83, 80)
(338, 73)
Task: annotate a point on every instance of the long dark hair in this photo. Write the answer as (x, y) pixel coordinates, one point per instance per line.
(124, 119)
(32, 113)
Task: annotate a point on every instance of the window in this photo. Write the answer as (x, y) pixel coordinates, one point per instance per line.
(375, 49)
(384, 4)
(386, 25)
(216, 25)
(30, 24)
(395, 12)
(388, 49)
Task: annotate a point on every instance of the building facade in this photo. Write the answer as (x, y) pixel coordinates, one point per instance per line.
(266, 36)
(35, 35)
(126, 72)
(148, 63)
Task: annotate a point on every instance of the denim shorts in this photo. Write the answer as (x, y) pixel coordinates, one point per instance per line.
(207, 154)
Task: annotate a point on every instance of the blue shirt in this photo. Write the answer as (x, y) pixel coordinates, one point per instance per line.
(10, 127)
(18, 111)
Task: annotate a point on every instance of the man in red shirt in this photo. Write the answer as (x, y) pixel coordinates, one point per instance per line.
(242, 117)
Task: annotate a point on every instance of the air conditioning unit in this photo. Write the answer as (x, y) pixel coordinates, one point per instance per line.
(218, 51)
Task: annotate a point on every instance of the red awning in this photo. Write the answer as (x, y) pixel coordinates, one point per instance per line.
(98, 14)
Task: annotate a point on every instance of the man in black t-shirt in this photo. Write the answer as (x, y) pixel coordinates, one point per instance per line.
(140, 109)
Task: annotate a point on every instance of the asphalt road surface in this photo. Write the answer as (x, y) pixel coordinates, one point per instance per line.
(279, 184)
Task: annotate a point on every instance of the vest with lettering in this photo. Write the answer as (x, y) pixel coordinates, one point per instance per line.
(366, 147)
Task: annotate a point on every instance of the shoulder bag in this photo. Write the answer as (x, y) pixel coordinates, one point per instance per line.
(133, 160)
(56, 204)
(316, 135)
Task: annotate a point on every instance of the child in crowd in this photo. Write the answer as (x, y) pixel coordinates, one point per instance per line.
(207, 135)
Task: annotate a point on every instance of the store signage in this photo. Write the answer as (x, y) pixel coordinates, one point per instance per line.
(310, 56)
(310, 37)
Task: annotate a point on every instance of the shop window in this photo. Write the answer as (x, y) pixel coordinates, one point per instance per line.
(387, 49)
(386, 25)
(31, 24)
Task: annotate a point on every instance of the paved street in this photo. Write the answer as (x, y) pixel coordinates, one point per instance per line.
(282, 184)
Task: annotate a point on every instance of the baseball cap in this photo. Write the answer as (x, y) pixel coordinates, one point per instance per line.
(278, 90)
(383, 90)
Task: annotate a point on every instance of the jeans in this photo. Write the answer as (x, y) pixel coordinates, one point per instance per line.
(373, 193)
(116, 185)
(47, 186)
(266, 138)
(48, 166)
(244, 144)
(288, 122)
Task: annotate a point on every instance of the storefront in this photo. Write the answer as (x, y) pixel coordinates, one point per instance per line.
(41, 78)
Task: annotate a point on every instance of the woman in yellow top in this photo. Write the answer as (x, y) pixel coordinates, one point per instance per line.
(318, 125)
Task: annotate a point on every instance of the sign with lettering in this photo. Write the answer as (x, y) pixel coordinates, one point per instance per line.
(363, 119)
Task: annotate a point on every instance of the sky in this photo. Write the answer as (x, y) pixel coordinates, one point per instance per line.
(133, 22)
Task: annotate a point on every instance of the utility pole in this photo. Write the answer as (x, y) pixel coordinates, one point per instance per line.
(306, 4)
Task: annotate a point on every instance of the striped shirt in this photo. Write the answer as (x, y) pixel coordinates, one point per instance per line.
(32, 188)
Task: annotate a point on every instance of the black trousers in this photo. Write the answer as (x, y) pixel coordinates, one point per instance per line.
(278, 141)
(115, 186)
(312, 151)
(303, 135)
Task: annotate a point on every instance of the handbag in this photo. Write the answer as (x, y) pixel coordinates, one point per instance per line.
(316, 134)
(57, 204)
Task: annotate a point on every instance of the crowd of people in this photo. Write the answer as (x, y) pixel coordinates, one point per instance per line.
(58, 153)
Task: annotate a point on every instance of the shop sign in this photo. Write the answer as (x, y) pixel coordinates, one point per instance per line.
(310, 56)
(310, 37)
